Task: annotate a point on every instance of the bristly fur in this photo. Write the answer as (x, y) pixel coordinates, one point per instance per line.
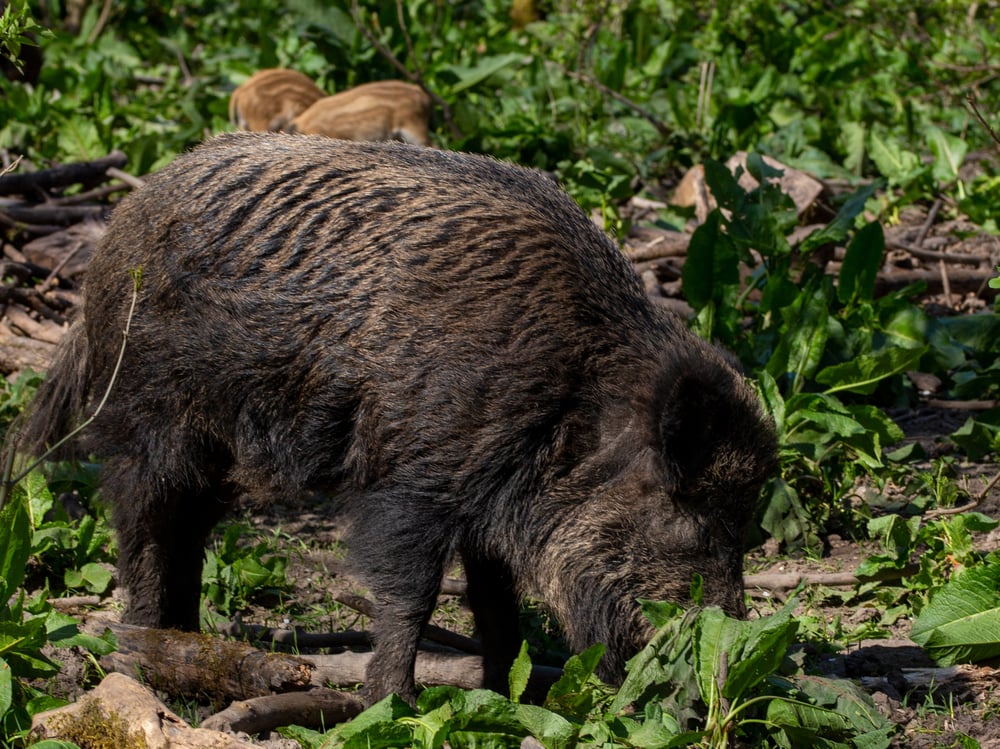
(444, 342)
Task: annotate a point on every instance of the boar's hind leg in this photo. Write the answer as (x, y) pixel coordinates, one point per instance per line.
(162, 529)
(494, 605)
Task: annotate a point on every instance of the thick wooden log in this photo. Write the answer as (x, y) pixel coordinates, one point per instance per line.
(121, 712)
(316, 708)
(194, 664)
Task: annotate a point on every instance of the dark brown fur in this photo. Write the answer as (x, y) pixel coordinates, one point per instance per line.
(444, 342)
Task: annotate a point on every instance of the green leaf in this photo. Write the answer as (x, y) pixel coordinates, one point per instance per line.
(377, 726)
(949, 154)
(838, 229)
(961, 622)
(763, 644)
(862, 374)
(862, 261)
(899, 166)
(711, 261)
(487, 66)
(553, 730)
(520, 672)
(15, 546)
(6, 688)
(91, 576)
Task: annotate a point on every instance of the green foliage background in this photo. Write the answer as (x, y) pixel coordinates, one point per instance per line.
(619, 98)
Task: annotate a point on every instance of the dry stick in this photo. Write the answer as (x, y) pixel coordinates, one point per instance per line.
(928, 222)
(54, 275)
(102, 21)
(433, 633)
(971, 99)
(661, 128)
(948, 257)
(7, 481)
(415, 77)
(128, 179)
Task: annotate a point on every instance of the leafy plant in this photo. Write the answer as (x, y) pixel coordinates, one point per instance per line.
(705, 679)
(237, 573)
(961, 622)
(28, 625)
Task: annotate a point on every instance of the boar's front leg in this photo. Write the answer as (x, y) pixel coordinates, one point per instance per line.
(401, 557)
(493, 600)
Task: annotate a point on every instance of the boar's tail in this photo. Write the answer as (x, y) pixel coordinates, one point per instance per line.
(57, 408)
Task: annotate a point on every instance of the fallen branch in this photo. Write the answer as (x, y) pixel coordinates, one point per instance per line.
(948, 257)
(785, 581)
(317, 708)
(186, 663)
(189, 663)
(60, 176)
(435, 634)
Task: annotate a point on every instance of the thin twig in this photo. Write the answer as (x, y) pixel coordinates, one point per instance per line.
(54, 274)
(928, 222)
(387, 53)
(128, 179)
(971, 99)
(102, 21)
(651, 118)
(7, 484)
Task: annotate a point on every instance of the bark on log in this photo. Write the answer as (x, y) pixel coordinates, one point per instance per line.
(120, 712)
(60, 176)
(195, 664)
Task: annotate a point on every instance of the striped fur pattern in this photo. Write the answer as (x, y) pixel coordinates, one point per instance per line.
(270, 99)
(382, 110)
(444, 343)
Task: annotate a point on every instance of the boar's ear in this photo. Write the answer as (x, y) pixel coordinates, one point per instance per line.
(709, 422)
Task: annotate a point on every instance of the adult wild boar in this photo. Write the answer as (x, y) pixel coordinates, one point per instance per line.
(444, 342)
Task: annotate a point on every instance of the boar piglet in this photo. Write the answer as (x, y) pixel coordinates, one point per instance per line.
(270, 99)
(444, 343)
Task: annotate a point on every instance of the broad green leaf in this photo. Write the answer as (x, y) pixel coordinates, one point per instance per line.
(553, 730)
(852, 142)
(487, 66)
(862, 261)
(377, 726)
(764, 643)
(949, 154)
(787, 520)
(838, 229)
(91, 576)
(664, 660)
(895, 163)
(711, 261)
(40, 499)
(862, 375)
(961, 622)
(15, 546)
(520, 672)
(716, 636)
(6, 687)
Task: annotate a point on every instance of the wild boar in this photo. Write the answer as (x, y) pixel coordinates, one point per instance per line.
(270, 99)
(443, 342)
(383, 110)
